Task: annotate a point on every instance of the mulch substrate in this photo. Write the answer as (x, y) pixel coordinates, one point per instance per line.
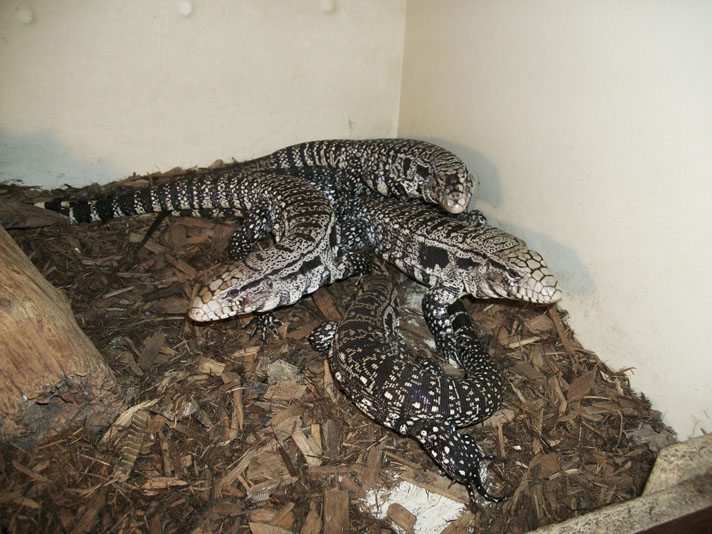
(228, 433)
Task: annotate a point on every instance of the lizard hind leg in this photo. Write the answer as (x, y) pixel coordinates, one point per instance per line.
(254, 227)
(352, 264)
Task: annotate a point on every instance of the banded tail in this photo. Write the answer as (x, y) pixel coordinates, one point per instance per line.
(203, 195)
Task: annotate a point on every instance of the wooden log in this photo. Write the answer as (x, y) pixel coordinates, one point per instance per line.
(19, 215)
(52, 378)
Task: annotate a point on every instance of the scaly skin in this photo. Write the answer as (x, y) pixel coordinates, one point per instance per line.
(452, 257)
(397, 168)
(300, 217)
(372, 365)
(341, 190)
(304, 258)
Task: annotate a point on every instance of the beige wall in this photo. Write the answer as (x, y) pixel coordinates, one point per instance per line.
(95, 90)
(589, 125)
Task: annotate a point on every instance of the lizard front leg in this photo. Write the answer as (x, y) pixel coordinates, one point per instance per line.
(435, 310)
(263, 322)
(255, 225)
(351, 264)
(474, 218)
(355, 230)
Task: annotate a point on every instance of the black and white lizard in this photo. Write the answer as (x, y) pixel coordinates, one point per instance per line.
(371, 363)
(339, 168)
(216, 300)
(452, 257)
(397, 168)
(301, 218)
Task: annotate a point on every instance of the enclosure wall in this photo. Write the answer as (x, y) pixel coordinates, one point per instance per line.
(93, 91)
(589, 126)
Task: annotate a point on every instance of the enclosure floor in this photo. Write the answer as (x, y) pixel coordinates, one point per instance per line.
(242, 435)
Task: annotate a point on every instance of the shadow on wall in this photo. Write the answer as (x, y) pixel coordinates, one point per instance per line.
(573, 275)
(41, 159)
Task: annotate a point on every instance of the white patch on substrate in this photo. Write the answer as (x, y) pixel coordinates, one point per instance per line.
(433, 512)
(412, 297)
(429, 342)
(280, 371)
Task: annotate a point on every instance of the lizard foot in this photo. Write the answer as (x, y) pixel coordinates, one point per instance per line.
(474, 218)
(264, 322)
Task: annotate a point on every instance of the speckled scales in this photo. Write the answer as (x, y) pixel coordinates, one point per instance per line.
(371, 363)
(399, 168)
(453, 257)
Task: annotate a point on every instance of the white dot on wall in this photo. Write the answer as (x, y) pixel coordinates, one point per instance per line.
(24, 15)
(185, 8)
(327, 6)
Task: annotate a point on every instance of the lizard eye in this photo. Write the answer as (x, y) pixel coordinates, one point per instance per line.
(514, 274)
(232, 293)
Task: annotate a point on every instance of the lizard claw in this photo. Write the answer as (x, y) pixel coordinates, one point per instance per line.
(447, 348)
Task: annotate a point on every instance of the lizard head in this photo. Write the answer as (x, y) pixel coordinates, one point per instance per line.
(520, 274)
(237, 291)
(509, 269)
(446, 181)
